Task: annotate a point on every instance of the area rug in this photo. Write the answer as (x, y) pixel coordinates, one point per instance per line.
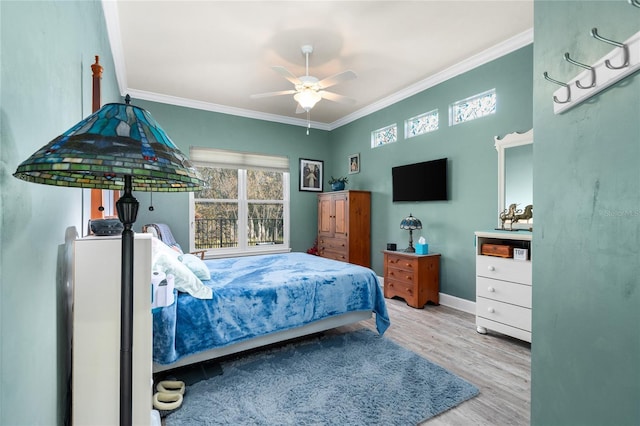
(356, 378)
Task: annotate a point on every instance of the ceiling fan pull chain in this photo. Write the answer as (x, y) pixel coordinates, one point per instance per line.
(308, 122)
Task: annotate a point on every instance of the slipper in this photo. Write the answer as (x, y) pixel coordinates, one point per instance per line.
(171, 386)
(165, 401)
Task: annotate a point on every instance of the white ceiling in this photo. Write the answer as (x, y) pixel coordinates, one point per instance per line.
(213, 55)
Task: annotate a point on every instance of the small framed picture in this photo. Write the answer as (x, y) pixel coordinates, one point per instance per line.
(311, 175)
(354, 163)
(520, 254)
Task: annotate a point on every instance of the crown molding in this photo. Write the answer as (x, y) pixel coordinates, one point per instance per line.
(110, 8)
(514, 43)
(223, 109)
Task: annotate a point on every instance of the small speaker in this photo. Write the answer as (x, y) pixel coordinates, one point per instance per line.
(391, 247)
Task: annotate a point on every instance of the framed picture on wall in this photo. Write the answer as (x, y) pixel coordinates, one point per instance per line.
(354, 163)
(311, 175)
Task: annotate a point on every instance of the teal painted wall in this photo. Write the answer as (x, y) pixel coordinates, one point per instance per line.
(45, 88)
(448, 226)
(586, 272)
(190, 127)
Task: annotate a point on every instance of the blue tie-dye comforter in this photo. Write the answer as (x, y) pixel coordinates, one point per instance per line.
(257, 295)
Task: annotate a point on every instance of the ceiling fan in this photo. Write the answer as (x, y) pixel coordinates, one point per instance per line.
(308, 90)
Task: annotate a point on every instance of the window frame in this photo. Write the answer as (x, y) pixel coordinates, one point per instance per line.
(243, 248)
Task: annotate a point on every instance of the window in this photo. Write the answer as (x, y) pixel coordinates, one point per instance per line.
(384, 136)
(245, 206)
(420, 124)
(477, 106)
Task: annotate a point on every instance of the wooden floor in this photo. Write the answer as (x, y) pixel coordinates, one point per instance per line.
(498, 365)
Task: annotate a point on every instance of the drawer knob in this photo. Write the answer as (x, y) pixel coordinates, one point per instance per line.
(491, 310)
(491, 289)
(491, 268)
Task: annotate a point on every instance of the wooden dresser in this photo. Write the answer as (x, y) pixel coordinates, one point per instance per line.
(414, 277)
(503, 284)
(344, 226)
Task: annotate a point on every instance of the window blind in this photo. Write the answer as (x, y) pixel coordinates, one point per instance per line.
(210, 157)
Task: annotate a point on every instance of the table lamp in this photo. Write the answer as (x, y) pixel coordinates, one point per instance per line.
(410, 223)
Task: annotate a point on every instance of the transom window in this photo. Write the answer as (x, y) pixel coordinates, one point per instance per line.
(245, 205)
(420, 124)
(473, 107)
(384, 136)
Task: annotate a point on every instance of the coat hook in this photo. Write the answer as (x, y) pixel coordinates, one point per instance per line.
(635, 3)
(625, 49)
(587, 67)
(555, 98)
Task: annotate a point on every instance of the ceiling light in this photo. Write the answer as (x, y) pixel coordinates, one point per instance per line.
(307, 98)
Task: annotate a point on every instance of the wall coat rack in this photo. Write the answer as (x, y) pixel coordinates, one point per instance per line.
(621, 62)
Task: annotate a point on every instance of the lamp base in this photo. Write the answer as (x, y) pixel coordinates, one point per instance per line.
(410, 249)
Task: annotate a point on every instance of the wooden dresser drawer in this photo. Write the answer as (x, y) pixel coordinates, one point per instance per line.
(503, 291)
(518, 271)
(401, 262)
(333, 244)
(406, 290)
(335, 255)
(505, 313)
(400, 275)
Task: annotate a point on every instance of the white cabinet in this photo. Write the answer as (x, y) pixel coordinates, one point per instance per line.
(96, 331)
(503, 285)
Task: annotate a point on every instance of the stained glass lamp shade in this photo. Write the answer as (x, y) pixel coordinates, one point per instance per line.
(119, 147)
(116, 141)
(410, 223)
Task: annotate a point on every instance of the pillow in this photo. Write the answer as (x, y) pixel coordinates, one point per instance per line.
(196, 265)
(166, 260)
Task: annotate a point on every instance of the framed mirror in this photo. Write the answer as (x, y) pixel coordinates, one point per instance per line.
(515, 178)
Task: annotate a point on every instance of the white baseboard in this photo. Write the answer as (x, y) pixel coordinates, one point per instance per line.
(450, 301)
(458, 303)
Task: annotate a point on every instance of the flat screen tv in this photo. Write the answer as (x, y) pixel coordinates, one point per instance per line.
(426, 181)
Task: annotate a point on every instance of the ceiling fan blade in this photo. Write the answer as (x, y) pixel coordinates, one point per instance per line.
(338, 78)
(268, 94)
(286, 74)
(336, 98)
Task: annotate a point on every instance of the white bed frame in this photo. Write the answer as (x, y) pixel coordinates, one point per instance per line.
(268, 339)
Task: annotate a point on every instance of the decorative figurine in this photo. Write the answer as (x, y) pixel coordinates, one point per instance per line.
(513, 215)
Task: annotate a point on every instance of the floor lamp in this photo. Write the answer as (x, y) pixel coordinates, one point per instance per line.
(119, 147)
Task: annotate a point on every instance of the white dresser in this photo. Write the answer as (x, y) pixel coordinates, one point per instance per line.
(503, 285)
(96, 331)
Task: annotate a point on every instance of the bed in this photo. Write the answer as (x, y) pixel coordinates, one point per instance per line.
(263, 299)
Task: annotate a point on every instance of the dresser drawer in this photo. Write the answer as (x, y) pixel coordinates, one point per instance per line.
(505, 313)
(503, 291)
(333, 244)
(335, 255)
(518, 271)
(400, 275)
(401, 262)
(393, 287)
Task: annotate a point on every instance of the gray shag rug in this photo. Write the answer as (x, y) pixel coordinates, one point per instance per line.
(356, 378)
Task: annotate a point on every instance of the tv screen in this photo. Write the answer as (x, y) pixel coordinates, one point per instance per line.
(426, 181)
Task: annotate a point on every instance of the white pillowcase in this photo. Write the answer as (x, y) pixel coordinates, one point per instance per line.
(196, 265)
(165, 259)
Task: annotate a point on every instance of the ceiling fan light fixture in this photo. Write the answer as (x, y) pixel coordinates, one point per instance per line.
(307, 98)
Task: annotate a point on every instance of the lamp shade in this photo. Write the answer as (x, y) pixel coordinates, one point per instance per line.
(410, 223)
(116, 141)
(307, 98)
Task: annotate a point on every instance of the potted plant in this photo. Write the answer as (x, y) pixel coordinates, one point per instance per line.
(337, 184)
